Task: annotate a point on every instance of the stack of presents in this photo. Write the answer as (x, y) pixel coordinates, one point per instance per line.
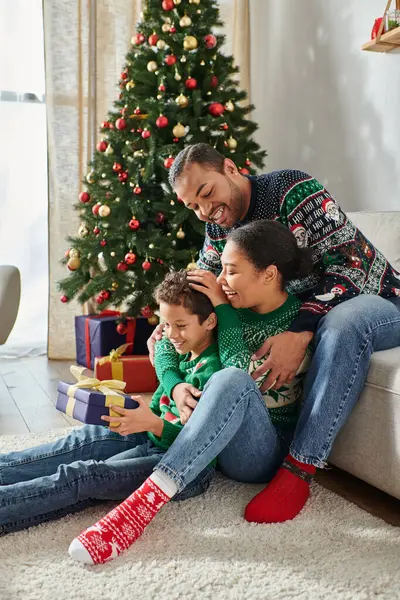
(120, 363)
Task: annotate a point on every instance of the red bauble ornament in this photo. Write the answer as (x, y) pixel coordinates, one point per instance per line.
(214, 81)
(191, 83)
(122, 328)
(153, 39)
(137, 190)
(121, 266)
(134, 224)
(96, 231)
(161, 87)
(120, 124)
(108, 195)
(123, 111)
(103, 243)
(162, 121)
(117, 167)
(172, 29)
(210, 41)
(170, 60)
(139, 130)
(146, 134)
(247, 162)
(161, 262)
(160, 218)
(146, 265)
(168, 162)
(139, 39)
(175, 140)
(136, 111)
(66, 253)
(105, 125)
(224, 126)
(64, 299)
(84, 197)
(123, 176)
(106, 294)
(216, 109)
(100, 299)
(146, 311)
(244, 171)
(124, 75)
(168, 4)
(130, 258)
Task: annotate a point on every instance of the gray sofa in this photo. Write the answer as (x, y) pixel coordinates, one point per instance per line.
(10, 292)
(369, 444)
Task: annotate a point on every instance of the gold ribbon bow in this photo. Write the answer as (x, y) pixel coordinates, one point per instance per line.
(114, 354)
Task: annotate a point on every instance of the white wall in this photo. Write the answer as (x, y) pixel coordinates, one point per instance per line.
(324, 106)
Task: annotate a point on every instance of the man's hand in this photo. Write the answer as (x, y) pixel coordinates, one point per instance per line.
(155, 337)
(135, 420)
(206, 282)
(285, 352)
(184, 395)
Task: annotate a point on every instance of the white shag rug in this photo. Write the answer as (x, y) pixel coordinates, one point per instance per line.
(203, 549)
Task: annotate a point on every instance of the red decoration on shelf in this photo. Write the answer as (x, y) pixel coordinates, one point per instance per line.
(210, 41)
(146, 265)
(134, 224)
(146, 311)
(102, 146)
(139, 39)
(96, 231)
(161, 87)
(170, 60)
(244, 171)
(130, 258)
(121, 266)
(162, 121)
(191, 83)
(153, 39)
(137, 190)
(216, 109)
(168, 4)
(103, 243)
(146, 134)
(123, 176)
(375, 28)
(160, 218)
(122, 329)
(64, 299)
(120, 124)
(168, 162)
(214, 81)
(117, 167)
(84, 197)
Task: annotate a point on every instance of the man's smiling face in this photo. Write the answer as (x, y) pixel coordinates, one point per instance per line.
(215, 197)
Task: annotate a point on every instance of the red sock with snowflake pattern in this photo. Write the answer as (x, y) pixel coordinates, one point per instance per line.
(284, 496)
(118, 530)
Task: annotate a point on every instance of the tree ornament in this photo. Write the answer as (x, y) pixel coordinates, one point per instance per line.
(182, 101)
(224, 126)
(232, 143)
(247, 162)
(64, 299)
(170, 60)
(162, 121)
(103, 243)
(109, 150)
(146, 311)
(168, 162)
(134, 224)
(96, 231)
(137, 111)
(74, 263)
(210, 41)
(114, 286)
(84, 197)
(73, 253)
(172, 29)
(175, 140)
(165, 27)
(214, 81)
(137, 190)
(120, 124)
(83, 231)
(123, 176)
(100, 299)
(161, 44)
(177, 2)
(185, 21)
(180, 234)
(190, 42)
(153, 320)
(124, 75)
(146, 265)
(177, 76)
(152, 66)
(160, 218)
(105, 125)
(179, 131)
(168, 4)
(153, 39)
(197, 2)
(130, 258)
(122, 328)
(244, 171)
(146, 134)
(230, 106)
(183, 59)
(104, 210)
(216, 109)
(161, 87)
(191, 266)
(90, 177)
(117, 167)
(130, 85)
(191, 83)
(138, 39)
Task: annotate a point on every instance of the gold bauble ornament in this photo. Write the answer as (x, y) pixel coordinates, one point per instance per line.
(185, 21)
(138, 154)
(112, 254)
(74, 263)
(229, 106)
(143, 171)
(104, 210)
(159, 96)
(153, 320)
(183, 59)
(152, 66)
(161, 44)
(109, 150)
(83, 231)
(197, 2)
(180, 234)
(232, 143)
(190, 42)
(114, 285)
(74, 253)
(179, 131)
(177, 2)
(202, 63)
(182, 101)
(130, 85)
(165, 27)
(90, 177)
(177, 78)
(191, 266)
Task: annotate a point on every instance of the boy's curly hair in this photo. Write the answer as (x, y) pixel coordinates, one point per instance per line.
(174, 289)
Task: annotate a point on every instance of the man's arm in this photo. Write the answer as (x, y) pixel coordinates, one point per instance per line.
(209, 256)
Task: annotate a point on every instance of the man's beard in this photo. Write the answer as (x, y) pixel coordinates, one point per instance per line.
(236, 204)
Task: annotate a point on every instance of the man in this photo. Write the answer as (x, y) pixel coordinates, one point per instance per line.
(351, 305)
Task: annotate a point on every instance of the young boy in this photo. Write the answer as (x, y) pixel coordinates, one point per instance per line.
(96, 463)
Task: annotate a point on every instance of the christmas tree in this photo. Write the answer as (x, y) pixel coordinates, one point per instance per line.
(176, 88)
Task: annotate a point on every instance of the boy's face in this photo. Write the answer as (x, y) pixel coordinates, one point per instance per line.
(184, 330)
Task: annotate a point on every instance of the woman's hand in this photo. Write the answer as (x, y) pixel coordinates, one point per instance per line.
(206, 282)
(156, 336)
(135, 420)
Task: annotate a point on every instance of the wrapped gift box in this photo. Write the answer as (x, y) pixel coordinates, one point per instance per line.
(136, 371)
(96, 335)
(89, 399)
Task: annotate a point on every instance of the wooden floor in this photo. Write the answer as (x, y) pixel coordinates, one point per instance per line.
(28, 392)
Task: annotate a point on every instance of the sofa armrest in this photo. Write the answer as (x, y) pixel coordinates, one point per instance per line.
(10, 293)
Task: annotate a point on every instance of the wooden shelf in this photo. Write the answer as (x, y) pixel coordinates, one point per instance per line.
(389, 41)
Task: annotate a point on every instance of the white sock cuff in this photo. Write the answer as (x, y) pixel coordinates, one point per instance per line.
(165, 483)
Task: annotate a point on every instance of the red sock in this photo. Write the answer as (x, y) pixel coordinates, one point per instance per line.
(284, 496)
(115, 532)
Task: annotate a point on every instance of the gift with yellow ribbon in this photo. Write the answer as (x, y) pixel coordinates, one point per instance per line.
(89, 398)
(136, 371)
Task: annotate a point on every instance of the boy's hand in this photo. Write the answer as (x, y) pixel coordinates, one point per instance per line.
(184, 395)
(156, 336)
(206, 282)
(135, 420)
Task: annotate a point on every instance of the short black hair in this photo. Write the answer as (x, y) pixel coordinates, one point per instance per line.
(271, 243)
(175, 289)
(202, 154)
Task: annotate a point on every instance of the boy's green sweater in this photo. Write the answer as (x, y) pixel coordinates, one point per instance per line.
(240, 333)
(196, 372)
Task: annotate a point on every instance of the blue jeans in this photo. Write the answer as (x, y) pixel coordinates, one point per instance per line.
(90, 464)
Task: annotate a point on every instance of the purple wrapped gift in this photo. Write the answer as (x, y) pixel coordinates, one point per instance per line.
(97, 335)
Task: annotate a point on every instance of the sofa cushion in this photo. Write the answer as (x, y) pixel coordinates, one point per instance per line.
(384, 370)
(383, 230)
